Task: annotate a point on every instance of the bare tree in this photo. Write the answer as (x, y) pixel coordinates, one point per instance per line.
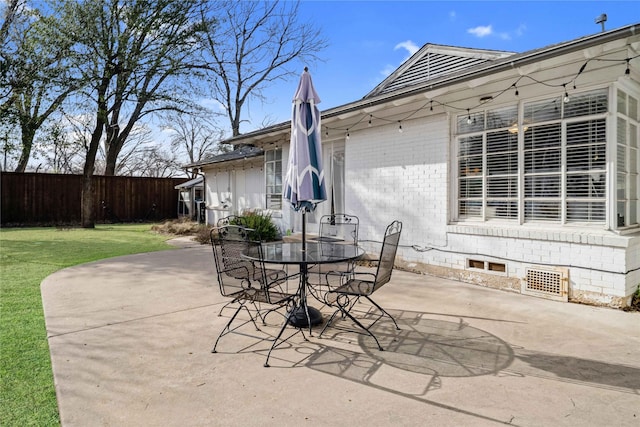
(60, 152)
(194, 137)
(153, 161)
(252, 45)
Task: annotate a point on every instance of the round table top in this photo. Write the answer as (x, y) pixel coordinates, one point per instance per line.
(316, 253)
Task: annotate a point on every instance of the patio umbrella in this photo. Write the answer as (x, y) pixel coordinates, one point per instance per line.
(304, 185)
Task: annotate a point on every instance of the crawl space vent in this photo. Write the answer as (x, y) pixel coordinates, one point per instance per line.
(547, 283)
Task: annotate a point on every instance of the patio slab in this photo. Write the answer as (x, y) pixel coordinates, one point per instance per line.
(130, 342)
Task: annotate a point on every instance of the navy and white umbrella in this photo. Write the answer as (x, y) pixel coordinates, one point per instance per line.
(304, 184)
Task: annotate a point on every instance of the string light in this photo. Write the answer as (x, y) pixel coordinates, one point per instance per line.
(566, 98)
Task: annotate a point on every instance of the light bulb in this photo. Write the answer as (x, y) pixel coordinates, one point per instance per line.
(399, 126)
(347, 134)
(566, 95)
(370, 116)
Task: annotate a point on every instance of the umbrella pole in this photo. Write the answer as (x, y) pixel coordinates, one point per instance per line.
(304, 230)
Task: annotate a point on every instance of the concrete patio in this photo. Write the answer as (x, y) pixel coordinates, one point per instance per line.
(130, 342)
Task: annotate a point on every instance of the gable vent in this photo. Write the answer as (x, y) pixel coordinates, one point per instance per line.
(431, 66)
(547, 283)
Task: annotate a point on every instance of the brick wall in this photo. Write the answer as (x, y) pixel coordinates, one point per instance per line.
(392, 175)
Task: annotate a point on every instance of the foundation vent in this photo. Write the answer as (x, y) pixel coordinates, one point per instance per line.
(547, 283)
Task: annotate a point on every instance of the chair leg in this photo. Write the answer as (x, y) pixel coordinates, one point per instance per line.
(344, 307)
(225, 306)
(275, 341)
(227, 328)
(357, 322)
(384, 312)
(326, 325)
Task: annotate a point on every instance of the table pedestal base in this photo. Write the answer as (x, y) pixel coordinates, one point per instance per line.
(298, 317)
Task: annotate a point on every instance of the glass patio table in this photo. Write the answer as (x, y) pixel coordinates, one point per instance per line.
(316, 253)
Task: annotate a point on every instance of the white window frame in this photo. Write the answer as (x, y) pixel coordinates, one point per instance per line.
(574, 206)
(625, 209)
(273, 179)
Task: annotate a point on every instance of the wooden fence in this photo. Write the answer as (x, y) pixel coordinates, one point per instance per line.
(47, 199)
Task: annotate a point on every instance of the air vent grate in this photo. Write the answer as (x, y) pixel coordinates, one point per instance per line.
(551, 283)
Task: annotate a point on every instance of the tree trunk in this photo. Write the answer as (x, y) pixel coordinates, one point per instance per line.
(27, 143)
(88, 215)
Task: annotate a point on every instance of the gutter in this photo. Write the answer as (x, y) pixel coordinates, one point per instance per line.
(507, 63)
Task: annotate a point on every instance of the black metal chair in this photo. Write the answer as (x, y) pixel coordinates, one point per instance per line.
(335, 228)
(222, 222)
(339, 228)
(231, 220)
(246, 282)
(364, 285)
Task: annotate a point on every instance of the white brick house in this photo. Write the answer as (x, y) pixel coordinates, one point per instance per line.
(514, 171)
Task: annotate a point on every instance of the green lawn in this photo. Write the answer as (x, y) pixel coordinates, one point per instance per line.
(27, 256)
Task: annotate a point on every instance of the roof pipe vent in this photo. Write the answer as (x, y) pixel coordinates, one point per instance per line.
(601, 20)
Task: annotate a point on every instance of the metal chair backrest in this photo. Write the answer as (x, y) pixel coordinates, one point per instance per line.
(231, 220)
(234, 272)
(339, 227)
(388, 254)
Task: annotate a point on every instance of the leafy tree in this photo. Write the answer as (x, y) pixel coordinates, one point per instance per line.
(134, 52)
(253, 44)
(37, 79)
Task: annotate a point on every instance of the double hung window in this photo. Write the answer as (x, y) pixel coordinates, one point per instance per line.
(273, 178)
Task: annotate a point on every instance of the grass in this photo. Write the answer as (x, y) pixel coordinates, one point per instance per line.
(27, 256)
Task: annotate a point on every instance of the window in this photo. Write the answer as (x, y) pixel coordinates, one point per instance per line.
(549, 167)
(273, 178)
(627, 159)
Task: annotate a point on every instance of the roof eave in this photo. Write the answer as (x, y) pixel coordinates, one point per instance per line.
(511, 62)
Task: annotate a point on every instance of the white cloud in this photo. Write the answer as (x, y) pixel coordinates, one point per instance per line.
(452, 15)
(409, 46)
(387, 70)
(481, 31)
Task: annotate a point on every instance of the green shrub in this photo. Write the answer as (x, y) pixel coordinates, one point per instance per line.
(262, 223)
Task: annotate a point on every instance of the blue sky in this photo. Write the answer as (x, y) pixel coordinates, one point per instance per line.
(370, 39)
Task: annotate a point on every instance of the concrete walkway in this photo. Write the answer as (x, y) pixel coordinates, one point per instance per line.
(130, 342)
